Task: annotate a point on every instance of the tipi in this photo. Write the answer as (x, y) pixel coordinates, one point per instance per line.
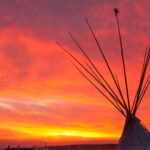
(135, 136)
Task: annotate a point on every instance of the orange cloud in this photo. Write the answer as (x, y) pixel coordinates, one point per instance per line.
(42, 97)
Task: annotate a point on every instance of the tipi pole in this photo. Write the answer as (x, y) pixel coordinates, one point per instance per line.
(122, 54)
(90, 61)
(133, 105)
(143, 92)
(107, 64)
(86, 70)
(117, 101)
(142, 80)
(120, 110)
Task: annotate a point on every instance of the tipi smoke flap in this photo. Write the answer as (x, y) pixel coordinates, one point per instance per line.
(135, 136)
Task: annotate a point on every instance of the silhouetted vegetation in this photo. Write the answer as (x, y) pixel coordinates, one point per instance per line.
(83, 147)
(72, 147)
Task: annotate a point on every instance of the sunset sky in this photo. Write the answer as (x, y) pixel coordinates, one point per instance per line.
(42, 97)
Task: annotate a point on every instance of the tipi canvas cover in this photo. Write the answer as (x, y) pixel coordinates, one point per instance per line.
(135, 136)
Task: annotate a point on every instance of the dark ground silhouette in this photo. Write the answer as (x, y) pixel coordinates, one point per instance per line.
(72, 147)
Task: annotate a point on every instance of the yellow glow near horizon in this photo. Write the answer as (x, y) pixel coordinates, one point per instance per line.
(49, 132)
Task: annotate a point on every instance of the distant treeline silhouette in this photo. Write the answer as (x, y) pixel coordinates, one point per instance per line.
(72, 147)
